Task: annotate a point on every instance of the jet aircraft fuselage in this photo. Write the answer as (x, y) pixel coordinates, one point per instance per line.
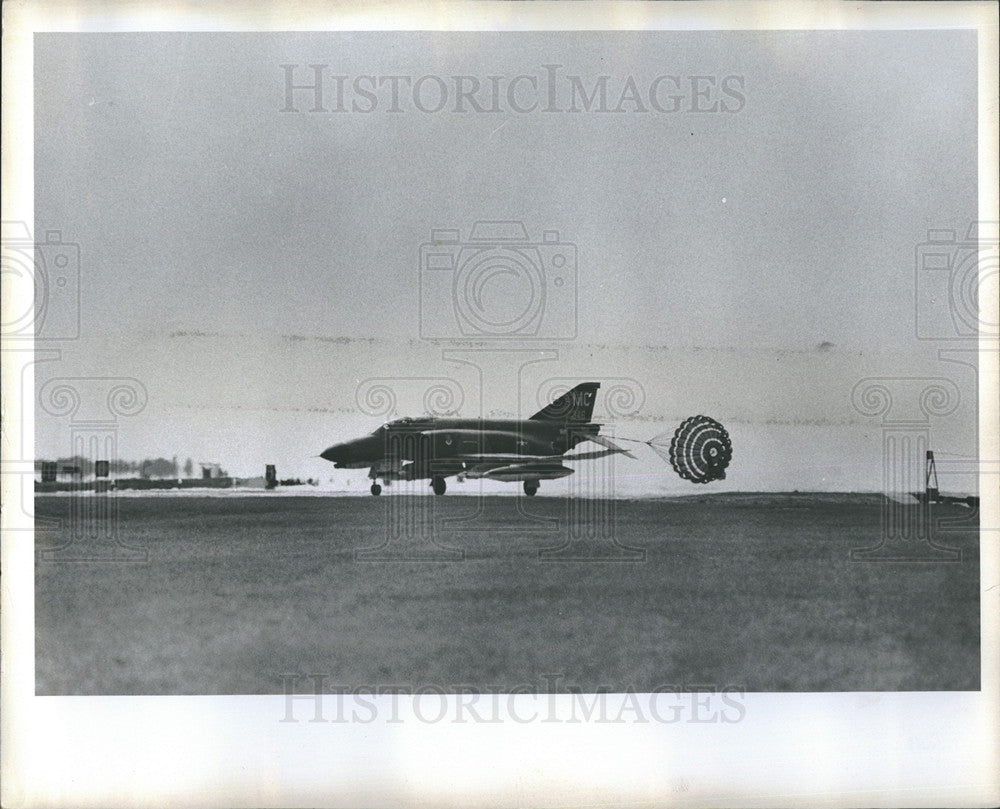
(442, 439)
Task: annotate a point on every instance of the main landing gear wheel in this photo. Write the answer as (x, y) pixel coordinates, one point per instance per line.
(376, 489)
(530, 487)
(701, 450)
(439, 485)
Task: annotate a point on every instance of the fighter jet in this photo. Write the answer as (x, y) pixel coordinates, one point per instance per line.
(526, 450)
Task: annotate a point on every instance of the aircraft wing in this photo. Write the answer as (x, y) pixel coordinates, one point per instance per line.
(502, 459)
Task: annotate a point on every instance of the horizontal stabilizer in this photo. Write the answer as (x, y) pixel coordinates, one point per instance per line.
(501, 459)
(607, 442)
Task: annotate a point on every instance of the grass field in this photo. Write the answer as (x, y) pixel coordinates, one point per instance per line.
(758, 592)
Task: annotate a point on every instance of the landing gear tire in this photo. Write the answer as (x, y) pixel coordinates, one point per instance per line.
(376, 489)
(530, 487)
(439, 485)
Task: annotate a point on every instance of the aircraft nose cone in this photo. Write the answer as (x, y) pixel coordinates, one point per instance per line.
(353, 453)
(338, 453)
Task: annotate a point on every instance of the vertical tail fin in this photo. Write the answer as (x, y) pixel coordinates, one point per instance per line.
(576, 406)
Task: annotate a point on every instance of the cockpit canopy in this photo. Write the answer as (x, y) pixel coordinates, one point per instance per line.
(396, 423)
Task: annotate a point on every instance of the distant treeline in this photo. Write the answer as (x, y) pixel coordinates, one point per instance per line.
(146, 468)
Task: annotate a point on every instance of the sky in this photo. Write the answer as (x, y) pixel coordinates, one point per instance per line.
(256, 268)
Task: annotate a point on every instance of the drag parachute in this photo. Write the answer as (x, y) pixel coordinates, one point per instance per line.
(699, 450)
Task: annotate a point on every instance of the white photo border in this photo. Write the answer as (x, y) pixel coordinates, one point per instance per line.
(835, 749)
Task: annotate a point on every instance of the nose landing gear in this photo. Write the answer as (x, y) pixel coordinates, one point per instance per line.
(376, 489)
(530, 487)
(439, 485)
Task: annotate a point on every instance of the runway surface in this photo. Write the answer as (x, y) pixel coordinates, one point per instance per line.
(225, 595)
